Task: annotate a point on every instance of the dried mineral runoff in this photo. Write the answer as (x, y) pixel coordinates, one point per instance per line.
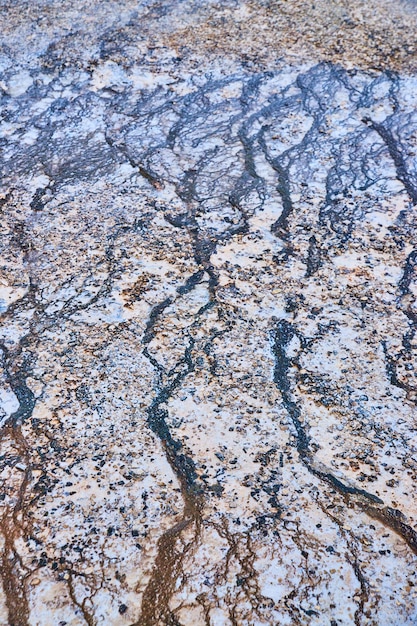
(208, 284)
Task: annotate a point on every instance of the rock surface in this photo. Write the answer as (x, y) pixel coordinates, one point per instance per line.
(208, 313)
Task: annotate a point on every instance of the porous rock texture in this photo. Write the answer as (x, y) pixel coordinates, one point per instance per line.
(208, 319)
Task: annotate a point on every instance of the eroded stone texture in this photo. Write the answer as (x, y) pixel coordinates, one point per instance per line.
(208, 330)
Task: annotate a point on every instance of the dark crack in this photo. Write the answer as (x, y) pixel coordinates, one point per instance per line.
(366, 501)
(396, 153)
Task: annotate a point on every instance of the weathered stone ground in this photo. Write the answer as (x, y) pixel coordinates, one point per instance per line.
(208, 313)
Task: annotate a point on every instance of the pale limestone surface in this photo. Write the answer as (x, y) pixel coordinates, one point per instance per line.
(208, 318)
